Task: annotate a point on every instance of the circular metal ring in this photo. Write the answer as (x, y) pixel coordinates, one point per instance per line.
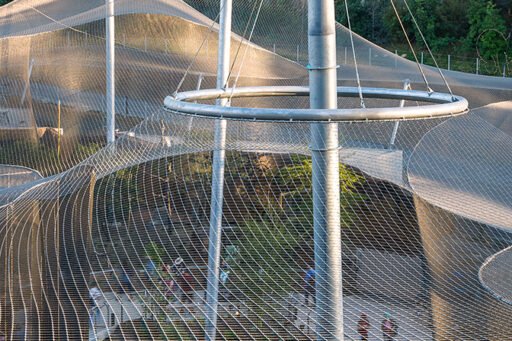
(445, 104)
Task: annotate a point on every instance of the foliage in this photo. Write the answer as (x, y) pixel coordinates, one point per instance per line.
(300, 198)
(487, 29)
(29, 154)
(190, 167)
(365, 17)
(119, 187)
(299, 175)
(155, 252)
(83, 151)
(42, 157)
(265, 264)
(425, 21)
(449, 26)
(271, 248)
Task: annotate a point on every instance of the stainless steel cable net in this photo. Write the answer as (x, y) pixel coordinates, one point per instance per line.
(111, 240)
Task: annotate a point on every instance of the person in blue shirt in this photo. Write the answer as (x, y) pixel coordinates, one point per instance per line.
(309, 285)
(150, 269)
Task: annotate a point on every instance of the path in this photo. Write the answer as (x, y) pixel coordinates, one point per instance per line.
(409, 317)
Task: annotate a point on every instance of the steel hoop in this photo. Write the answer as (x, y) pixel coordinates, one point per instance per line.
(444, 104)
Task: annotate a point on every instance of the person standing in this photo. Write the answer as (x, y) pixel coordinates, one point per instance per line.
(150, 268)
(165, 270)
(178, 267)
(389, 328)
(95, 295)
(125, 278)
(309, 286)
(176, 272)
(363, 327)
(224, 278)
(187, 286)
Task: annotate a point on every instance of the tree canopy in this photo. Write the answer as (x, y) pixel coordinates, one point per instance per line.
(474, 27)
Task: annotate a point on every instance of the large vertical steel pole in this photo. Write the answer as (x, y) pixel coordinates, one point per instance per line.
(110, 61)
(214, 244)
(326, 185)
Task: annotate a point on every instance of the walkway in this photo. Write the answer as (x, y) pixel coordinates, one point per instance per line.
(117, 308)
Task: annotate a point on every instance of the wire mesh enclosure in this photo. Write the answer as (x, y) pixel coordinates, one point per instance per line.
(111, 240)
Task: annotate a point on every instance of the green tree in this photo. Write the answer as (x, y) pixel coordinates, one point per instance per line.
(423, 12)
(486, 29)
(30, 154)
(392, 25)
(155, 252)
(272, 248)
(297, 202)
(358, 16)
(365, 17)
(451, 25)
(266, 269)
(426, 22)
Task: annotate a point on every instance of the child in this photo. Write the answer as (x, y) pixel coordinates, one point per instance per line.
(363, 326)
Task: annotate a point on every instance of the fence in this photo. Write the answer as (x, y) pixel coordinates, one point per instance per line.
(469, 64)
(296, 51)
(379, 57)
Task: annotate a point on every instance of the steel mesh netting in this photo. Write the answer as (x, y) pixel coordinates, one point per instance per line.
(494, 274)
(420, 214)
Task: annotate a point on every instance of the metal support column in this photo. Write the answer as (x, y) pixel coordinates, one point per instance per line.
(326, 182)
(407, 86)
(110, 60)
(198, 87)
(27, 83)
(214, 244)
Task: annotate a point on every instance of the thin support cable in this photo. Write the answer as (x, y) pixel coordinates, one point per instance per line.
(411, 47)
(182, 80)
(354, 55)
(428, 47)
(246, 49)
(210, 28)
(54, 20)
(239, 48)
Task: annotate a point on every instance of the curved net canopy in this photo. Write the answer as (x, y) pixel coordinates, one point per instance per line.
(426, 208)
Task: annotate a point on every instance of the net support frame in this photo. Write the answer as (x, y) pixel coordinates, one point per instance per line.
(444, 105)
(324, 116)
(407, 85)
(219, 156)
(325, 172)
(110, 71)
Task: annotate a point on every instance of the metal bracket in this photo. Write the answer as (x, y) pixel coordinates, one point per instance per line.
(313, 68)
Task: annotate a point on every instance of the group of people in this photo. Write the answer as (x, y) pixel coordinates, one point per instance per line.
(177, 278)
(388, 326)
